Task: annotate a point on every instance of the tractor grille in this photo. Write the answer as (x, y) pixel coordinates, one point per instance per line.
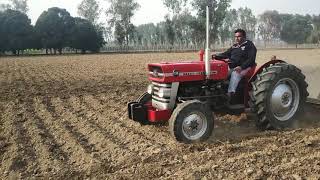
(161, 95)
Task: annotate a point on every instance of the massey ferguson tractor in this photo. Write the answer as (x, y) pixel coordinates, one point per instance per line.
(187, 93)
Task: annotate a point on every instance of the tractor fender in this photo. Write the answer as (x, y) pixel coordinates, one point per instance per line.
(260, 69)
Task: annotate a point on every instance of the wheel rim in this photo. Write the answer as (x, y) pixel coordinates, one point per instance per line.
(194, 125)
(285, 99)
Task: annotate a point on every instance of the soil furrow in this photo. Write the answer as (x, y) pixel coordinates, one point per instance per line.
(121, 130)
(104, 144)
(117, 112)
(77, 155)
(54, 161)
(22, 155)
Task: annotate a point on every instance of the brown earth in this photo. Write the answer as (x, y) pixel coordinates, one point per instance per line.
(65, 117)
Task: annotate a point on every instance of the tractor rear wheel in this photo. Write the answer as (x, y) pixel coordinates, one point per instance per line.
(191, 121)
(278, 96)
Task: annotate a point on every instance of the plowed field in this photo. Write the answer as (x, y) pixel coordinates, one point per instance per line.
(65, 117)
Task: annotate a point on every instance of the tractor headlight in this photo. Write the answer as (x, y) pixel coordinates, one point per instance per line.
(150, 89)
(164, 92)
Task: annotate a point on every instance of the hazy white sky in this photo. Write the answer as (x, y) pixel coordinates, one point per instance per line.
(154, 11)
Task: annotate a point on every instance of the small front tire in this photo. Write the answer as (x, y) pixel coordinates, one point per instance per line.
(191, 121)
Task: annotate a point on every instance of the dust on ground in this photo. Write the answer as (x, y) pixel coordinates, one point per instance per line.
(65, 116)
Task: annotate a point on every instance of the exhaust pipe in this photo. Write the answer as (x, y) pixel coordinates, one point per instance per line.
(207, 60)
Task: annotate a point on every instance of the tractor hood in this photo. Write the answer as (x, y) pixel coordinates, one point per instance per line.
(168, 72)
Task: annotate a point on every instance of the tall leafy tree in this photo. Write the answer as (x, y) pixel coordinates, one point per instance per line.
(170, 35)
(247, 21)
(85, 37)
(3, 37)
(229, 24)
(20, 5)
(4, 7)
(218, 11)
(16, 31)
(90, 10)
(161, 33)
(121, 13)
(54, 28)
(296, 30)
(197, 33)
(146, 34)
(175, 6)
(315, 34)
(269, 25)
(180, 20)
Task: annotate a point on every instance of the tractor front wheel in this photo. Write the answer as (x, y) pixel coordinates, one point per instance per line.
(191, 121)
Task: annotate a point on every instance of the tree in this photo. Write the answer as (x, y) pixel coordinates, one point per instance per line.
(178, 18)
(90, 10)
(197, 34)
(175, 6)
(146, 34)
(4, 7)
(18, 31)
(85, 37)
(315, 34)
(218, 11)
(228, 26)
(296, 30)
(247, 21)
(3, 38)
(20, 5)
(54, 28)
(121, 13)
(269, 25)
(170, 35)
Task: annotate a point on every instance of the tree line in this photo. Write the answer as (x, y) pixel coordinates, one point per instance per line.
(183, 26)
(54, 30)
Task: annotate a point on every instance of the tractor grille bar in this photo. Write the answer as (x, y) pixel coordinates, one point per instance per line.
(161, 95)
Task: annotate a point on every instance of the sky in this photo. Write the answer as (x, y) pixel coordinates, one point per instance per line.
(154, 10)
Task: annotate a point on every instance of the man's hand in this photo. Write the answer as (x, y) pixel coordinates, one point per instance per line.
(213, 56)
(238, 69)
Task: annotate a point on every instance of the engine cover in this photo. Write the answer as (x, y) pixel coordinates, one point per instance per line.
(186, 71)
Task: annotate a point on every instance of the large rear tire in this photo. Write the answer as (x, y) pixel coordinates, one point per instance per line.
(191, 121)
(278, 96)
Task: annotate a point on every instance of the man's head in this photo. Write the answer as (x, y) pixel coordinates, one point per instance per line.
(240, 36)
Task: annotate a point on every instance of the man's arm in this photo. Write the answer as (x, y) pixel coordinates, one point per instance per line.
(252, 52)
(224, 55)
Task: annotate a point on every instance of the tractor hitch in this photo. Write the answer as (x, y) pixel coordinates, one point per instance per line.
(145, 113)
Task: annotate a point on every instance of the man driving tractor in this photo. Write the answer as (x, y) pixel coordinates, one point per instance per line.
(242, 56)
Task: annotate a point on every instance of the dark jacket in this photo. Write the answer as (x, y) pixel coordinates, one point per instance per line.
(243, 55)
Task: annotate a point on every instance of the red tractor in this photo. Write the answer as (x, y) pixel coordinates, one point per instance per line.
(187, 93)
(181, 94)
